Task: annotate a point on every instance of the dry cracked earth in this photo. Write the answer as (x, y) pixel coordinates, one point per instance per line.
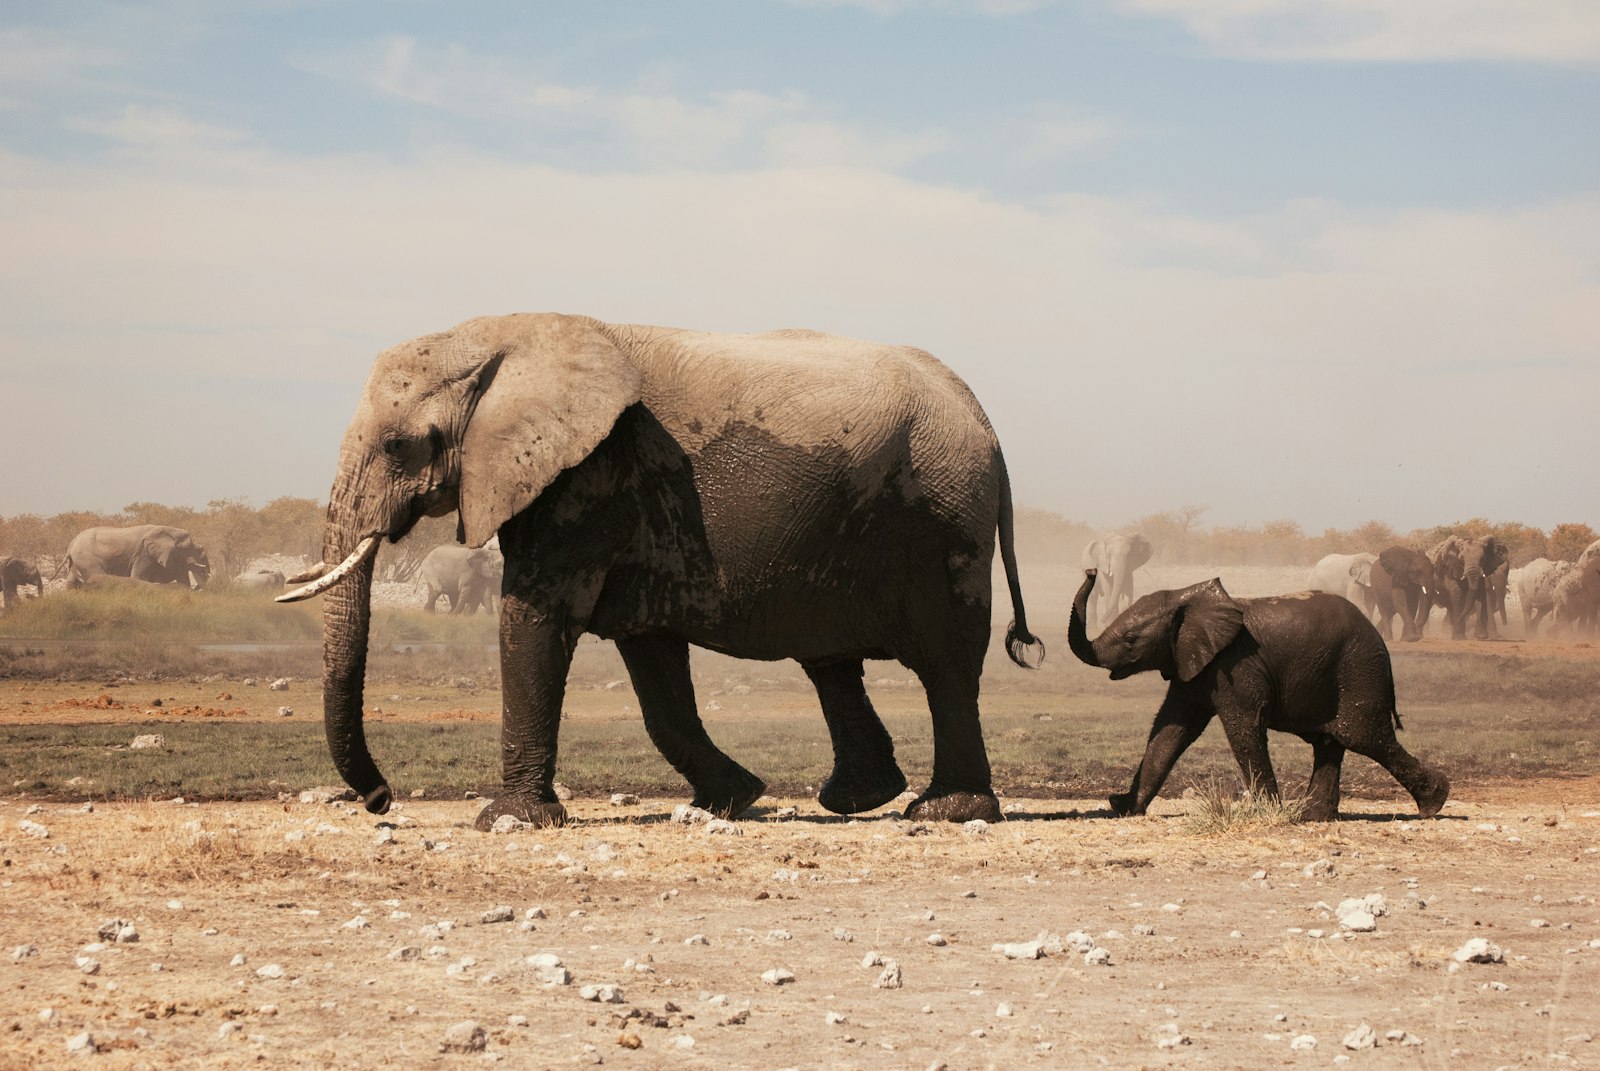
(311, 934)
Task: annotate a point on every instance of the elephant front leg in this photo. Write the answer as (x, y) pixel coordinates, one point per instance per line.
(1176, 727)
(659, 669)
(535, 654)
(865, 774)
(1247, 738)
(961, 789)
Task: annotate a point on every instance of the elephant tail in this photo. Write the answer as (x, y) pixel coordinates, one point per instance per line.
(1018, 638)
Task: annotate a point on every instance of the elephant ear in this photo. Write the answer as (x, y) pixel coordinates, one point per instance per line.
(1092, 554)
(1209, 622)
(1361, 572)
(1140, 552)
(552, 389)
(158, 547)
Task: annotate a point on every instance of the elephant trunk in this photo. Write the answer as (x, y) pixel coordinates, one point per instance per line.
(1077, 629)
(346, 619)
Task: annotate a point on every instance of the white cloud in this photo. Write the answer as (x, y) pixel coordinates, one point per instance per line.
(1373, 353)
(139, 126)
(1554, 31)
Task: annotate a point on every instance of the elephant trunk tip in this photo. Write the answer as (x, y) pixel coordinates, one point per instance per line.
(1077, 628)
(378, 800)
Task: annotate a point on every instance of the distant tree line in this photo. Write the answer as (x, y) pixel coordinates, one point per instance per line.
(235, 532)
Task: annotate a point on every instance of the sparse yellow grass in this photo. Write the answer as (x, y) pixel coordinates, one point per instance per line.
(1220, 809)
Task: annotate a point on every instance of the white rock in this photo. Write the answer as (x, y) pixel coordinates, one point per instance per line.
(465, 1036)
(553, 976)
(285, 712)
(34, 829)
(405, 952)
(120, 931)
(228, 1029)
(937, 940)
(1478, 950)
(145, 740)
(683, 1041)
(1358, 921)
(1539, 924)
(697, 939)
(1303, 1043)
(358, 923)
(81, 1044)
(1172, 1041)
(238, 960)
(88, 964)
(1362, 1037)
(1321, 868)
(1143, 929)
(1172, 908)
(271, 970)
(977, 827)
(836, 1019)
(280, 685)
(503, 913)
(24, 951)
(890, 978)
(541, 960)
(686, 815)
(509, 823)
(723, 827)
(1077, 941)
(1097, 957)
(778, 976)
(1020, 950)
(604, 993)
(624, 799)
(1002, 1010)
(872, 959)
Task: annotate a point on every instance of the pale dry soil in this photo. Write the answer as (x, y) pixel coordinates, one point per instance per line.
(1232, 963)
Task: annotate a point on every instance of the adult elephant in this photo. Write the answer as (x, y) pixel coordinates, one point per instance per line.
(1114, 556)
(1402, 582)
(1461, 578)
(1499, 587)
(155, 553)
(1536, 590)
(787, 495)
(1349, 575)
(15, 573)
(261, 580)
(1309, 664)
(467, 577)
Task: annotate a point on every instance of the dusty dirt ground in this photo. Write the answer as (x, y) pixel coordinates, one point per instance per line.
(272, 935)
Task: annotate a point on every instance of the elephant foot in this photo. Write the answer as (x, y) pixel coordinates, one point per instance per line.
(1124, 804)
(730, 794)
(1430, 800)
(1313, 811)
(942, 805)
(524, 807)
(851, 791)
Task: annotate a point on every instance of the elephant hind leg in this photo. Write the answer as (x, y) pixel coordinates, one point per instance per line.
(961, 789)
(1428, 786)
(865, 774)
(659, 669)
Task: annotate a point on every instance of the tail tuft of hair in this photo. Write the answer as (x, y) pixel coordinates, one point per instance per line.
(1019, 642)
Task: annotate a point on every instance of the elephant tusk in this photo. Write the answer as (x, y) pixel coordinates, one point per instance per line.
(308, 575)
(364, 551)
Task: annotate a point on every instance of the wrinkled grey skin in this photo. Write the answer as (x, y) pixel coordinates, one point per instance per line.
(261, 580)
(1309, 664)
(789, 495)
(154, 553)
(1536, 591)
(467, 577)
(1114, 557)
(1402, 582)
(1461, 570)
(1577, 595)
(14, 573)
(1499, 587)
(1349, 575)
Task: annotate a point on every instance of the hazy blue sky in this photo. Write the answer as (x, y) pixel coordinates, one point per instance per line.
(1325, 260)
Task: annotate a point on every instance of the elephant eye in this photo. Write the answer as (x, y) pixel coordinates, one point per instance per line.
(395, 448)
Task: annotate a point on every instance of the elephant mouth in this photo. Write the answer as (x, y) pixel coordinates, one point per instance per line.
(1122, 673)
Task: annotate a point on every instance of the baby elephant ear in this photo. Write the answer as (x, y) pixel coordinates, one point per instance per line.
(1211, 621)
(551, 393)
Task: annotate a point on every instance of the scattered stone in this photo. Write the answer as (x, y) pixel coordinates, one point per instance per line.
(836, 1019)
(778, 976)
(1002, 1010)
(605, 993)
(624, 799)
(541, 960)
(22, 952)
(1172, 1041)
(358, 923)
(405, 953)
(1303, 1043)
(81, 1044)
(280, 685)
(509, 823)
(891, 977)
(697, 939)
(465, 1036)
(1403, 1037)
(977, 827)
(119, 931)
(1362, 1037)
(271, 970)
(724, 827)
(88, 964)
(1143, 929)
(145, 740)
(786, 812)
(842, 934)
(683, 814)
(33, 829)
(1020, 950)
(285, 712)
(1478, 950)
(503, 913)
(937, 940)
(1097, 957)
(1321, 868)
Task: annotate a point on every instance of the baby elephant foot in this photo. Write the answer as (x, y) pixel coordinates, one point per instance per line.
(1430, 799)
(1314, 811)
(731, 793)
(851, 791)
(942, 805)
(524, 807)
(1124, 804)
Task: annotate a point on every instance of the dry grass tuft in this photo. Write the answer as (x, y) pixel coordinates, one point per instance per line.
(1221, 810)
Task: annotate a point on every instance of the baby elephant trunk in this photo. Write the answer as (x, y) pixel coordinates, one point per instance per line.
(1077, 630)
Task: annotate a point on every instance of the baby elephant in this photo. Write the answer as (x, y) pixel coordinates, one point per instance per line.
(1309, 664)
